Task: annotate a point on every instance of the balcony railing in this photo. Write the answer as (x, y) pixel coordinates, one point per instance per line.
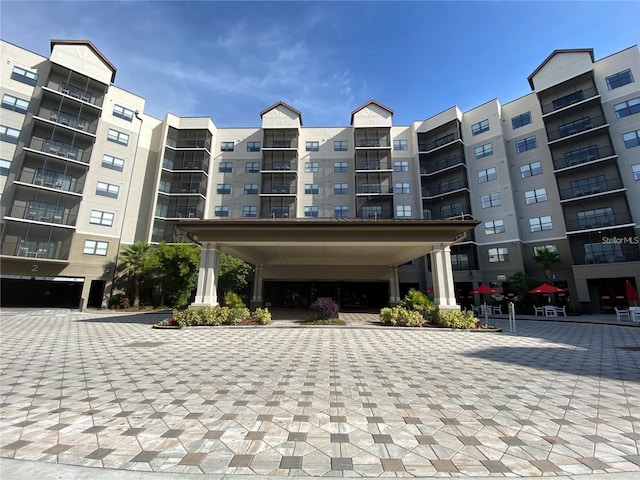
(591, 188)
(583, 155)
(443, 189)
(427, 168)
(598, 221)
(276, 212)
(184, 165)
(293, 144)
(375, 214)
(374, 189)
(372, 143)
(278, 166)
(278, 190)
(373, 166)
(68, 120)
(59, 149)
(93, 98)
(438, 142)
(569, 99)
(51, 179)
(187, 212)
(28, 247)
(577, 126)
(51, 214)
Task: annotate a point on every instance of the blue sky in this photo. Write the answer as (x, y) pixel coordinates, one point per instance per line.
(230, 60)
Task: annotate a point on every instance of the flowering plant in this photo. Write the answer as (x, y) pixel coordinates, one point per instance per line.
(168, 322)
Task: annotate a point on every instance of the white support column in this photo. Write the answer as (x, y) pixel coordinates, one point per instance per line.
(394, 286)
(444, 294)
(256, 299)
(206, 294)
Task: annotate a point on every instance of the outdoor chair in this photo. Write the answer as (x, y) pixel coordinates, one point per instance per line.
(539, 310)
(561, 311)
(622, 315)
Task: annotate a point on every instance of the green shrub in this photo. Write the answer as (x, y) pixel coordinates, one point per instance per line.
(233, 300)
(188, 317)
(401, 317)
(417, 301)
(262, 316)
(212, 316)
(232, 316)
(455, 319)
(325, 308)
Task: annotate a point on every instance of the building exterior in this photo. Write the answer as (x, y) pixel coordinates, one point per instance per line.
(84, 171)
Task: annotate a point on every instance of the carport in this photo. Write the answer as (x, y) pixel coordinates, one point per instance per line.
(335, 249)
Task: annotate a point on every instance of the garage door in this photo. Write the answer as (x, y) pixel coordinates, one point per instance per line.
(40, 293)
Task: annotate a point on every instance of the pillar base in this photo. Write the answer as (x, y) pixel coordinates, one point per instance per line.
(198, 304)
(253, 304)
(449, 307)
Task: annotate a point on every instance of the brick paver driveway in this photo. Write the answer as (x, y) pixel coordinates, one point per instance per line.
(110, 392)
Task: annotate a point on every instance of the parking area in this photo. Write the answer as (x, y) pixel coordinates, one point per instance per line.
(98, 390)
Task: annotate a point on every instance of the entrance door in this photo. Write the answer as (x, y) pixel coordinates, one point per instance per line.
(96, 293)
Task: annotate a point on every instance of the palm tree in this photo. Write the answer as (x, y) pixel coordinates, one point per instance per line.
(546, 257)
(134, 260)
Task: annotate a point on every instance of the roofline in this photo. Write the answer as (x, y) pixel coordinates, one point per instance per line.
(367, 104)
(281, 103)
(89, 44)
(564, 50)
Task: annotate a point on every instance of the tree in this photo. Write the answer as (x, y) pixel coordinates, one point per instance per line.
(176, 266)
(546, 257)
(233, 275)
(134, 262)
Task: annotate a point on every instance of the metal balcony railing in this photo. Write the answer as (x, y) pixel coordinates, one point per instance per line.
(429, 167)
(597, 221)
(578, 126)
(591, 188)
(570, 99)
(50, 179)
(438, 142)
(60, 149)
(52, 214)
(278, 166)
(373, 166)
(583, 155)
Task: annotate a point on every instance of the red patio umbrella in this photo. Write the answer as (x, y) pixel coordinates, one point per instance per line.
(547, 288)
(632, 296)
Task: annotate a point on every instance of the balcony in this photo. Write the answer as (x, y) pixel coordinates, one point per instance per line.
(92, 98)
(69, 120)
(59, 149)
(598, 222)
(44, 213)
(573, 128)
(179, 213)
(278, 166)
(588, 189)
(374, 189)
(365, 166)
(582, 156)
(51, 180)
(277, 212)
(278, 189)
(572, 99)
(186, 165)
(281, 144)
(33, 240)
(429, 168)
(439, 142)
(443, 189)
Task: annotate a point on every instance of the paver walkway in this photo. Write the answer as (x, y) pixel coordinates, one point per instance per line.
(88, 389)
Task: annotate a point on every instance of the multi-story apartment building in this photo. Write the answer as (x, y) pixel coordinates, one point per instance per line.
(84, 171)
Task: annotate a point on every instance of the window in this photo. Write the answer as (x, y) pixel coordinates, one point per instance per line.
(250, 188)
(598, 217)
(631, 139)
(123, 113)
(493, 227)
(118, 137)
(24, 76)
(535, 196)
(226, 146)
(528, 143)
(311, 188)
(452, 210)
(340, 167)
(619, 79)
(252, 167)
(401, 166)
(5, 165)
(341, 211)
(399, 144)
(311, 211)
(253, 146)
(341, 189)
(589, 186)
(101, 218)
(113, 163)
(372, 211)
(623, 109)
(521, 120)
(224, 188)
(249, 211)
(487, 175)
(635, 169)
(402, 188)
(9, 135)
(313, 146)
(403, 210)
(491, 200)
(340, 146)
(500, 254)
(312, 167)
(538, 224)
(483, 150)
(14, 103)
(480, 127)
(460, 261)
(531, 169)
(93, 247)
(225, 167)
(221, 211)
(539, 248)
(107, 190)
(603, 253)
